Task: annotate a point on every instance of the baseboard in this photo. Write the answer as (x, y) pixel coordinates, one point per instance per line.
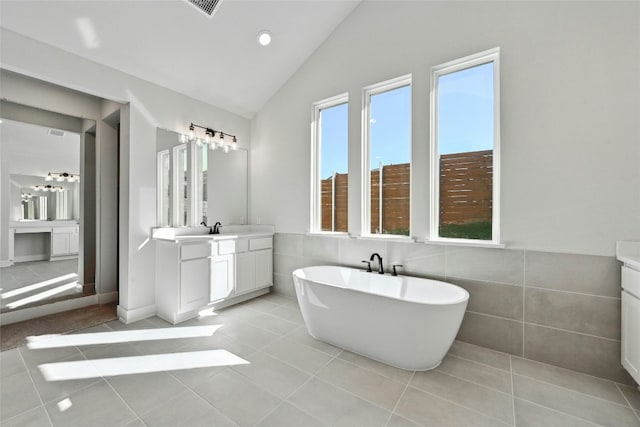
(46, 309)
(27, 258)
(5, 263)
(127, 316)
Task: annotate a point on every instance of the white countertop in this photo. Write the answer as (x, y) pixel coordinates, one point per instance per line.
(38, 223)
(193, 234)
(629, 253)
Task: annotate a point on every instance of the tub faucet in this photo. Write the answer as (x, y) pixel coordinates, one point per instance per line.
(380, 266)
(210, 228)
(216, 228)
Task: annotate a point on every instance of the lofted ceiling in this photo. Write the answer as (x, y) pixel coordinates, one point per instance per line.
(170, 43)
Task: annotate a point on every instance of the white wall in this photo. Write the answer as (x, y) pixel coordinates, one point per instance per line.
(150, 106)
(570, 100)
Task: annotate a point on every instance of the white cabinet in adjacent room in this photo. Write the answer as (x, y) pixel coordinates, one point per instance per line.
(64, 241)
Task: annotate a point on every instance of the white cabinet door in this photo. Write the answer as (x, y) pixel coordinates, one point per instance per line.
(59, 244)
(221, 277)
(245, 272)
(264, 267)
(194, 283)
(74, 243)
(631, 334)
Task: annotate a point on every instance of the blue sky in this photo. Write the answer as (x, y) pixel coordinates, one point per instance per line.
(465, 121)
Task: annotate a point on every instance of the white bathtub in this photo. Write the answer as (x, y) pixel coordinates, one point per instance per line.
(406, 322)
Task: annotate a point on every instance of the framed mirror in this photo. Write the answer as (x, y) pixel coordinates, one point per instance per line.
(196, 183)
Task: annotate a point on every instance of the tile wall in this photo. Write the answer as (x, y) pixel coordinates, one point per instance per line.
(561, 309)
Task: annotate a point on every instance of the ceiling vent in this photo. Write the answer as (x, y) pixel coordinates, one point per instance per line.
(206, 6)
(56, 132)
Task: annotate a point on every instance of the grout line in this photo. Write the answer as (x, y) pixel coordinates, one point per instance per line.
(543, 326)
(559, 412)
(455, 403)
(572, 332)
(393, 411)
(286, 399)
(628, 402)
(513, 397)
(573, 293)
(33, 384)
(571, 390)
(468, 381)
(122, 399)
(478, 363)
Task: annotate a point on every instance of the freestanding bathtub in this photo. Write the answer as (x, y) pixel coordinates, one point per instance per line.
(406, 322)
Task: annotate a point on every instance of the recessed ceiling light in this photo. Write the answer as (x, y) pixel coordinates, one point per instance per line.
(264, 37)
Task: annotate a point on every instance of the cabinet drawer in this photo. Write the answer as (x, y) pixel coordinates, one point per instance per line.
(64, 230)
(195, 250)
(262, 243)
(631, 281)
(227, 247)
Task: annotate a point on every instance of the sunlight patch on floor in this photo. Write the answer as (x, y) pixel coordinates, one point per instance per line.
(61, 371)
(66, 340)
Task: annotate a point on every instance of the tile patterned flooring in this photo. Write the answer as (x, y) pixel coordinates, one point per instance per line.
(290, 380)
(53, 278)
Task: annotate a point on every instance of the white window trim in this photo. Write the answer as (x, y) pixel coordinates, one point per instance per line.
(365, 202)
(491, 55)
(315, 225)
(160, 187)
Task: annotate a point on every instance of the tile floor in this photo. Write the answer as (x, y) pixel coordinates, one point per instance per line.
(290, 380)
(54, 278)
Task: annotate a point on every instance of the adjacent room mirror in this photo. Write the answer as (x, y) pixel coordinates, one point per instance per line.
(196, 183)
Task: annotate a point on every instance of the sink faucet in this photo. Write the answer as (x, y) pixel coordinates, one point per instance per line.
(216, 228)
(210, 229)
(380, 266)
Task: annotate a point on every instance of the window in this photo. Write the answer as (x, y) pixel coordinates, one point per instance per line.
(465, 144)
(329, 165)
(164, 195)
(386, 158)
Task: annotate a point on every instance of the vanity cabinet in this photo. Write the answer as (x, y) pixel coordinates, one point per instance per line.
(191, 274)
(254, 266)
(64, 241)
(631, 321)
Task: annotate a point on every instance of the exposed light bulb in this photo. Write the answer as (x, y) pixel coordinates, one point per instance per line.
(48, 177)
(207, 137)
(192, 132)
(234, 144)
(60, 178)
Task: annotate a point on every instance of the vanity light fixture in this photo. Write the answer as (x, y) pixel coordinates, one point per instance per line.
(210, 139)
(62, 176)
(48, 187)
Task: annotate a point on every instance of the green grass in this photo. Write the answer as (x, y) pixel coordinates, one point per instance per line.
(474, 230)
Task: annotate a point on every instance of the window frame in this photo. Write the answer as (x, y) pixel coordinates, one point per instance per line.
(485, 57)
(365, 202)
(315, 225)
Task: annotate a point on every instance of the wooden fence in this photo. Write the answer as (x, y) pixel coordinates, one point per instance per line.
(466, 188)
